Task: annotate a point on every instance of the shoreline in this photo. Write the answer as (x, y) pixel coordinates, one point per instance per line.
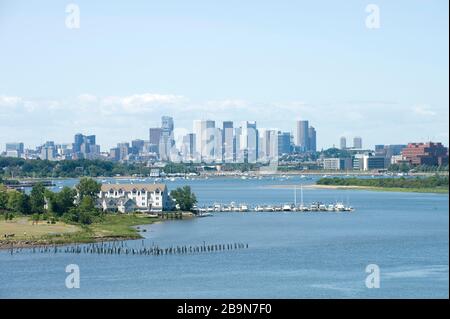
(114, 228)
(370, 188)
(237, 174)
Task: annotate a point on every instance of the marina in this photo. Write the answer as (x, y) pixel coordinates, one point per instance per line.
(318, 206)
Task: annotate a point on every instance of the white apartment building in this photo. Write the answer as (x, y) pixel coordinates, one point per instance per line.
(135, 197)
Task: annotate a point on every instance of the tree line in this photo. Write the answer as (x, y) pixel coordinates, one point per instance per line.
(435, 181)
(76, 205)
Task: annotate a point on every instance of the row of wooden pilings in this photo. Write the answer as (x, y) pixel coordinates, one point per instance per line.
(121, 248)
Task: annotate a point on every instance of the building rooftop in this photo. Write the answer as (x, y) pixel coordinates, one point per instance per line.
(131, 187)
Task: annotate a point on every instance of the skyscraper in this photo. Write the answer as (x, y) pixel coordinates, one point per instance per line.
(312, 136)
(284, 143)
(14, 149)
(205, 133)
(249, 141)
(188, 147)
(357, 142)
(154, 138)
(227, 141)
(343, 143)
(167, 140)
(302, 135)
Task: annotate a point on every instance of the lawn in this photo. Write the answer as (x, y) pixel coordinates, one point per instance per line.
(23, 229)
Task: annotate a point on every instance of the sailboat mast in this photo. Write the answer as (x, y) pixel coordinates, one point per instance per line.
(301, 194)
(295, 195)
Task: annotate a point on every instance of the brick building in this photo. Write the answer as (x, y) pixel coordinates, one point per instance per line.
(430, 153)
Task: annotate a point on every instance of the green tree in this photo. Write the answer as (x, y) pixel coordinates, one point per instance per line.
(3, 197)
(18, 202)
(184, 197)
(61, 202)
(37, 198)
(88, 187)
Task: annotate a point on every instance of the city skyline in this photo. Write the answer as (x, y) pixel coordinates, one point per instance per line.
(288, 64)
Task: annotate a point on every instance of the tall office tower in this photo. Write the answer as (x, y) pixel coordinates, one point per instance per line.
(154, 138)
(84, 146)
(284, 143)
(204, 131)
(188, 147)
(48, 151)
(357, 142)
(137, 146)
(167, 141)
(228, 142)
(238, 152)
(124, 150)
(114, 154)
(343, 143)
(218, 145)
(268, 146)
(14, 149)
(78, 140)
(249, 141)
(302, 135)
(312, 139)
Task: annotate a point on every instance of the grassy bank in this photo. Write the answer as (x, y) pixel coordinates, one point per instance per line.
(113, 227)
(432, 184)
(436, 190)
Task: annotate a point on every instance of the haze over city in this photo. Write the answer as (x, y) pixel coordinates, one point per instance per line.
(275, 63)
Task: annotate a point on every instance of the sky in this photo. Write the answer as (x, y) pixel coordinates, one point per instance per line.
(275, 62)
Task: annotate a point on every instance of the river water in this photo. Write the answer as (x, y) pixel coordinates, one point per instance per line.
(290, 255)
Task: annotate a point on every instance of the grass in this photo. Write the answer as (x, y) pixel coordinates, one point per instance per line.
(113, 227)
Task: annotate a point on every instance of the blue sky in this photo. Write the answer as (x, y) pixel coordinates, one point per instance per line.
(271, 61)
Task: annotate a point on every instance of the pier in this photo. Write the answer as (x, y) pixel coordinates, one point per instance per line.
(122, 248)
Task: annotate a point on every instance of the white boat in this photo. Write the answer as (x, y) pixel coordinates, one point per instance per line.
(204, 214)
(243, 208)
(339, 207)
(287, 207)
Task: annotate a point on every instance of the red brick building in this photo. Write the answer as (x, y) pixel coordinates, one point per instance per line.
(432, 154)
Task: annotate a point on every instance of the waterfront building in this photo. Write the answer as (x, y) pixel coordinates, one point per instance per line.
(343, 143)
(134, 197)
(368, 162)
(302, 135)
(337, 163)
(357, 142)
(430, 153)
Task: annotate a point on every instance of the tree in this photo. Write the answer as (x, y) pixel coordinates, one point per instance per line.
(18, 202)
(37, 199)
(3, 197)
(61, 202)
(88, 187)
(184, 197)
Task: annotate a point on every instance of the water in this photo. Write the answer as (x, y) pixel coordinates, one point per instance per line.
(290, 255)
